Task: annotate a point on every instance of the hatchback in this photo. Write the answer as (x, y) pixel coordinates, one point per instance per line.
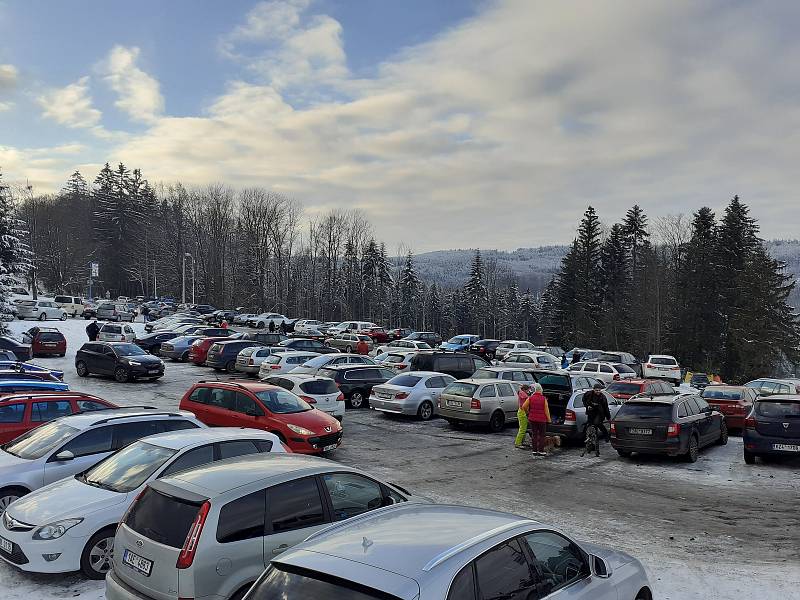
(413, 394)
(320, 392)
(478, 401)
(45, 341)
(249, 359)
(235, 516)
(91, 505)
(356, 381)
(69, 445)
(222, 355)
(348, 342)
(403, 345)
(107, 311)
(311, 367)
(459, 342)
(735, 402)
(399, 360)
(505, 373)
(263, 406)
(283, 362)
(485, 348)
(530, 359)
(662, 366)
(624, 358)
(607, 372)
(151, 342)
(125, 362)
(377, 334)
(772, 428)
(307, 345)
(198, 351)
(677, 425)
(508, 346)
(627, 388)
(475, 554)
(72, 305)
(179, 348)
(571, 423)
(41, 310)
(110, 332)
(20, 350)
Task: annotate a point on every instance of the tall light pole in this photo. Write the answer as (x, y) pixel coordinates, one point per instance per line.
(187, 254)
(183, 280)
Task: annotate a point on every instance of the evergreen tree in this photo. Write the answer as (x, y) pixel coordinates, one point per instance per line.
(352, 280)
(370, 281)
(409, 292)
(588, 300)
(634, 228)
(435, 316)
(476, 296)
(385, 294)
(614, 284)
(643, 292)
(14, 256)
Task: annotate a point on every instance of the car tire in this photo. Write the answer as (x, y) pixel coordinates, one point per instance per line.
(230, 366)
(723, 434)
(644, 594)
(43, 317)
(8, 495)
(184, 357)
(749, 458)
(497, 421)
(425, 411)
(260, 325)
(357, 399)
(97, 555)
(242, 592)
(82, 369)
(624, 453)
(693, 451)
(121, 375)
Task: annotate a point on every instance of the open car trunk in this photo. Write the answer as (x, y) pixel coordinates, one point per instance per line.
(557, 389)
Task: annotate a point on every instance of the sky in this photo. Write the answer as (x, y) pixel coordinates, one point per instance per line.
(451, 124)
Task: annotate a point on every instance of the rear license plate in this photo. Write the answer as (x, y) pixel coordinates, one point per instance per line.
(384, 395)
(6, 545)
(453, 403)
(786, 447)
(641, 431)
(327, 448)
(137, 563)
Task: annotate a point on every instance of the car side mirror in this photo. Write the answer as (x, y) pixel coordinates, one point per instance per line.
(708, 410)
(64, 456)
(599, 567)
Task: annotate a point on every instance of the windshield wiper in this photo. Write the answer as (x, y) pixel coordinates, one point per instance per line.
(5, 449)
(98, 484)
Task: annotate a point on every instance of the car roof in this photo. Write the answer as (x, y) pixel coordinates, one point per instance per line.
(89, 419)
(779, 398)
(176, 440)
(423, 374)
(351, 366)
(636, 381)
(504, 369)
(298, 353)
(662, 356)
(668, 399)
(253, 386)
(49, 394)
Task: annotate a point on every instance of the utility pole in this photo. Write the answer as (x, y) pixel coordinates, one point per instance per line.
(183, 284)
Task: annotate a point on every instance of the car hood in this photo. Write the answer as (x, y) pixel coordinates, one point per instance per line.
(145, 359)
(313, 420)
(9, 462)
(63, 499)
(614, 558)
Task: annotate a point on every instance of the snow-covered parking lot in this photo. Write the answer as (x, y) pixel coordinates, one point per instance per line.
(716, 529)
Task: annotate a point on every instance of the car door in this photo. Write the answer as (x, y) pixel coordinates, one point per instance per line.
(104, 360)
(489, 400)
(606, 373)
(434, 387)
(13, 421)
(508, 400)
(694, 419)
(504, 572)
(219, 413)
(295, 510)
(710, 423)
(350, 494)
(88, 448)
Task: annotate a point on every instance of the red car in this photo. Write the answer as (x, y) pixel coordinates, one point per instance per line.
(300, 426)
(198, 351)
(22, 412)
(378, 334)
(624, 390)
(733, 401)
(46, 341)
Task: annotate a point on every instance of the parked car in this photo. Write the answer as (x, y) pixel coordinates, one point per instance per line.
(178, 348)
(403, 345)
(153, 560)
(699, 380)
(23, 383)
(91, 505)
(124, 361)
(20, 413)
(125, 312)
(304, 325)
(243, 318)
(520, 375)
(263, 321)
(734, 402)
(458, 364)
(89, 311)
(624, 358)
(478, 401)
(530, 359)
(249, 360)
(206, 331)
(198, 350)
(556, 351)
(222, 355)
(485, 348)
(349, 326)
(283, 362)
(69, 445)
(15, 374)
(306, 345)
(459, 342)
(662, 366)
(310, 367)
(413, 394)
(45, 341)
(768, 386)
(399, 333)
(627, 388)
(20, 350)
(511, 346)
(113, 332)
(320, 392)
(72, 305)
(264, 337)
(399, 360)
(8, 355)
(263, 406)
(26, 367)
(502, 555)
(431, 338)
(608, 372)
(356, 381)
(41, 310)
(772, 428)
(151, 342)
(677, 425)
(348, 342)
(572, 426)
(378, 335)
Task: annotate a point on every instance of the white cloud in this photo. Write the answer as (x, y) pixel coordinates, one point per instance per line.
(6, 106)
(8, 77)
(71, 105)
(139, 94)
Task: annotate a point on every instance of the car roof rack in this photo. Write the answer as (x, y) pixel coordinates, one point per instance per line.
(160, 414)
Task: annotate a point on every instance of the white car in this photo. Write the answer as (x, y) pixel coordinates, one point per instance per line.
(606, 372)
(249, 359)
(69, 445)
(531, 359)
(41, 310)
(414, 393)
(320, 392)
(72, 305)
(399, 360)
(349, 326)
(306, 325)
(263, 320)
(311, 367)
(662, 366)
(283, 362)
(403, 344)
(243, 318)
(506, 346)
(116, 332)
(69, 525)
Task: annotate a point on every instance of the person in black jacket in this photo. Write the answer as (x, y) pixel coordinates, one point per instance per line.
(92, 329)
(597, 412)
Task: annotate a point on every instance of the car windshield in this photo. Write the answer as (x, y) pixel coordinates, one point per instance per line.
(38, 442)
(290, 583)
(404, 380)
(129, 350)
(127, 469)
(282, 402)
(778, 409)
(485, 374)
(458, 388)
(456, 340)
(717, 394)
(607, 357)
(645, 410)
(624, 388)
(382, 356)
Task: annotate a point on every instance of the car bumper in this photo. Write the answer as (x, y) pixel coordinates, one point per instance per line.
(398, 407)
(248, 368)
(175, 353)
(670, 447)
(215, 363)
(116, 589)
(337, 413)
(146, 371)
(756, 443)
(568, 431)
(457, 415)
(314, 444)
(28, 554)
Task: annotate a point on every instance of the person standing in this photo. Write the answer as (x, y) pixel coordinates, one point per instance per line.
(564, 362)
(538, 418)
(362, 347)
(576, 356)
(224, 324)
(522, 415)
(92, 330)
(597, 411)
(145, 312)
(271, 326)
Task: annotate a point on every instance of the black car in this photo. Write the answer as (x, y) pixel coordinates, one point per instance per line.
(673, 425)
(122, 360)
(203, 309)
(356, 381)
(218, 316)
(22, 351)
(152, 342)
(264, 337)
(484, 348)
(699, 381)
(431, 338)
(222, 355)
(307, 345)
(460, 365)
(772, 428)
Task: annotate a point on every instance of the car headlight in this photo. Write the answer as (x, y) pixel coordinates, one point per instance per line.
(135, 363)
(300, 430)
(55, 530)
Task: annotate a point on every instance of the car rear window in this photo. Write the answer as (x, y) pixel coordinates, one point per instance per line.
(292, 583)
(642, 410)
(485, 374)
(670, 362)
(50, 336)
(554, 381)
(715, 394)
(319, 386)
(163, 519)
(458, 388)
(623, 368)
(405, 380)
(624, 388)
(778, 409)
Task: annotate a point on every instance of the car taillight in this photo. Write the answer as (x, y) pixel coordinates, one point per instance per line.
(673, 430)
(569, 416)
(186, 557)
(613, 428)
(401, 395)
(340, 397)
(475, 404)
(649, 366)
(750, 422)
(274, 366)
(400, 366)
(308, 399)
(616, 376)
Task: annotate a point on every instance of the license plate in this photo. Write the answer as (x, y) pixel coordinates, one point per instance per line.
(50, 345)
(331, 447)
(641, 431)
(138, 563)
(786, 447)
(384, 395)
(6, 545)
(152, 370)
(453, 403)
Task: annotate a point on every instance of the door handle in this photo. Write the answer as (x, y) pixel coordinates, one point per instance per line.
(279, 549)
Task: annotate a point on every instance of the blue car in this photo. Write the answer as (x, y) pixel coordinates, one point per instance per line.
(15, 386)
(22, 367)
(460, 343)
(178, 348)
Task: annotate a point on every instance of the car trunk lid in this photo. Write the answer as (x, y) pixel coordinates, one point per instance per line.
(778, 418)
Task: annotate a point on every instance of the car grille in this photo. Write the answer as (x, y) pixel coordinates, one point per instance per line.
(325, 440)
(12, 524)
(16, 556)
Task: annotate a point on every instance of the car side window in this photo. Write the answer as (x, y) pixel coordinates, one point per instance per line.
(446, 363)
(488, 391)
(478, 363)
(504, 572)
(463, 586)
(691, 407)
(89, 442)
(386, 374)
(12, 413)
(236, 448)
(87, 405)
(434, 383)
(352, 494)
(127, 433)
(47, 411)
(201, 395)
(222, 398)
(242, 519)
(682, 412)
(295, 505)
(606, 369)
(701, 404)
(193, 458)
(558, 561)
(247, 406)
(505, 389)
(590, 367)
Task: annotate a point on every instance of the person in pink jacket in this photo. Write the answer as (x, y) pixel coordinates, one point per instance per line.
(522, 415)
(538, 418)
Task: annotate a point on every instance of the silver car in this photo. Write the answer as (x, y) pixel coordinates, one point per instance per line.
(391, 554)
(478, 401)
(310, 367)
(412, 393)
(571, 422)
(207, 532)
(109, 311)
(41, 310)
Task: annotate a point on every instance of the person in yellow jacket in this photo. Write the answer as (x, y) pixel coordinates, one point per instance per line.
(522, 414)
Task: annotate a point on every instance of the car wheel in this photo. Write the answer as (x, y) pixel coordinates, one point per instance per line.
(644, 594)
(356, 399)
(425, 411)
(230, 366)
(723, 434)
(259, 325)
(81, 369)
(184, 356)
(624, 453)
(497, 421)
(8, 495)
(121, 375)
(749, 458)
(98, 554)
(694, 450)
(42, 317)
(63, 316)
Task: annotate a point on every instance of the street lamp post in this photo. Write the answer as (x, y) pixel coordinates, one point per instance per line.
(189, 255)
(183, 280)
